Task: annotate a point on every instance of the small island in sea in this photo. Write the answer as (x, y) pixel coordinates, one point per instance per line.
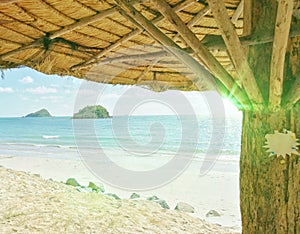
(40, 113)
(92, 112)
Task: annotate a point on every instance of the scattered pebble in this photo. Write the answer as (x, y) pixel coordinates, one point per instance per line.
(184, 207)
(212, 213)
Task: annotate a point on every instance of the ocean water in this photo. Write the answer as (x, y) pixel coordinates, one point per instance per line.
(139, 137)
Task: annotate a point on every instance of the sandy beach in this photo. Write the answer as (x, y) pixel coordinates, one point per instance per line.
(214, 191)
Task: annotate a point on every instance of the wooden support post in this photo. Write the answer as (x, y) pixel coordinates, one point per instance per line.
(236, 52)
(281, 36)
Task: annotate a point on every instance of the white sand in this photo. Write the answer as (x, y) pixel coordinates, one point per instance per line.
(215, 191)
(30, 204)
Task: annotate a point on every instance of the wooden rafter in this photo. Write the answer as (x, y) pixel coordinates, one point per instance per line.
(135, 57)
(237, 12)
(203, 76)
(236, 52)
(206, 57)
(81, 23)
(191, 23)
(281, 36)
(126, 38)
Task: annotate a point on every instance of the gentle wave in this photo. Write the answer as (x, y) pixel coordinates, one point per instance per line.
(38, 145)
(50, 137)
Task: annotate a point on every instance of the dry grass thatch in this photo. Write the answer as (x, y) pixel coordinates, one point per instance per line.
(97, 40)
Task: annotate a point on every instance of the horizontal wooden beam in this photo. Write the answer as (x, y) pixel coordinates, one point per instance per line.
(91, 61)
(236, 52)
(215, 42)
(201, 51)
(204, 78)
(281, 36)
(135, 57)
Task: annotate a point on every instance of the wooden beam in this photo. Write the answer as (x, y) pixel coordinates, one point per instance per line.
(293, 95)
(191, 23)
(236, 52)
(203, 76)
(247, 24)
(90, 62)
(237, 12)
(135, 57)
(206, 57)
(216, 42)
(281, 36)
(81, 23)
(203, 12)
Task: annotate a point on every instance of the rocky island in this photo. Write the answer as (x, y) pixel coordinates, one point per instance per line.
(92, 112)
(40, 113)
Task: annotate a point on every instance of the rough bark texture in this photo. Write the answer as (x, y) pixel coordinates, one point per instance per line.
(269, 186)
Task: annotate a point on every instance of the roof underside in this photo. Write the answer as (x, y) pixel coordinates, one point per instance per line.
(159, 44)
(97, 40)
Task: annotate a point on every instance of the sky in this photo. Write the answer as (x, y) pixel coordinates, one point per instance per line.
(24, 90)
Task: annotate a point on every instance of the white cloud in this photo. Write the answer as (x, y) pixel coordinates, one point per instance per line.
(68, 91)
(6, 90)
(54, 85)
(51, 98)
(26, 80)
(41, 90)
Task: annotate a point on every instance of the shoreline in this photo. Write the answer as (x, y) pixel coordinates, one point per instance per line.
(214, 191)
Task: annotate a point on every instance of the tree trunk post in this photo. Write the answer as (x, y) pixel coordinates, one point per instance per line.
(269, 186)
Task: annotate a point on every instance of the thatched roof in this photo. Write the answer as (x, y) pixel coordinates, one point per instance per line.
(70, 37)
(162, 44)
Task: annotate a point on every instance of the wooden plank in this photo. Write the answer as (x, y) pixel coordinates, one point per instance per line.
(281, 36)
(236, 52)
(202, 52)
(90, 62)
(204, 78)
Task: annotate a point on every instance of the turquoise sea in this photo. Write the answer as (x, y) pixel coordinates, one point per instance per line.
(136, 136)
